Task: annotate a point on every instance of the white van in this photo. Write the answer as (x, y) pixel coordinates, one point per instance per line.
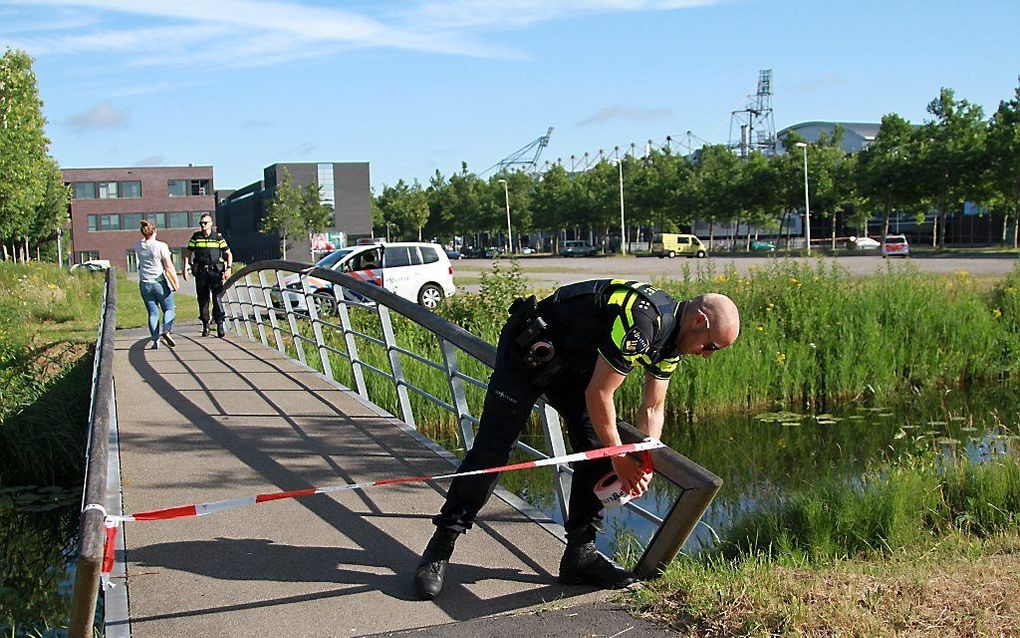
(416, 271)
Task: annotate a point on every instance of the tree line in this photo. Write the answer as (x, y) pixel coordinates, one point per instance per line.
(957, 155)
(33, 196)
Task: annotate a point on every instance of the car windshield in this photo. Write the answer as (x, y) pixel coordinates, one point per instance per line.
(330, 260)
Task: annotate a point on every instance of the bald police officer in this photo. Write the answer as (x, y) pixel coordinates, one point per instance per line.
(211, 261)
(576, 348)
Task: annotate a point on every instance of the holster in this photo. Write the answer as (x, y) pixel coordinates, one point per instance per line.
(538, 352)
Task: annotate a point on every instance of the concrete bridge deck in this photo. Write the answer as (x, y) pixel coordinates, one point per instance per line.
(224, 418)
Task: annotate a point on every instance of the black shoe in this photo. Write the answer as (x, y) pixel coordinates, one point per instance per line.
(428, 577)
(205, 330)
(219, 329)
(168, 339)
(584, 565)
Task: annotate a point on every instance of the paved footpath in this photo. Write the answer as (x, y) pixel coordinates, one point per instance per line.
(223, 418)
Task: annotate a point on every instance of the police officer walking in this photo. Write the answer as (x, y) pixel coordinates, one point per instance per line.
(211, 261)
(576, 348)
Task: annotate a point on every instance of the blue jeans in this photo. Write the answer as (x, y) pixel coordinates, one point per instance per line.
(156, 295)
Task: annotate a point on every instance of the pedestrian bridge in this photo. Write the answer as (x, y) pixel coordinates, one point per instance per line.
(356, 387)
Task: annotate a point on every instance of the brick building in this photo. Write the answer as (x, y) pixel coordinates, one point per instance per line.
(108, 204)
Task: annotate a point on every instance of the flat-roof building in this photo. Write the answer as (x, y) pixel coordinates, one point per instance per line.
(108, 205)
(856, 135)
(345, 188)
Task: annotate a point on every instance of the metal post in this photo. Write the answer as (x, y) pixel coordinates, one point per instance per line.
(396, 368)
(244, 313)
(255, 311)
(298, 346)
(550, 419)
(271, 310)
(320, 342)
(352, 347)
(232, 304)
(467, 434)
(60, 249)
(807, 203)
(623, 227)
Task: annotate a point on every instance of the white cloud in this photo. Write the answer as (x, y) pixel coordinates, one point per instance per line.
(104, 115)
(629, 113)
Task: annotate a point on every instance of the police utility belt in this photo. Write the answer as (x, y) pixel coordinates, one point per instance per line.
(538, 353)
(216, 267)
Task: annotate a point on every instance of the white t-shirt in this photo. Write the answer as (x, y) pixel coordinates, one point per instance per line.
(151, 253)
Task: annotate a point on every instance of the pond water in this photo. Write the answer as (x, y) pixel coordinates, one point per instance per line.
(762, 457)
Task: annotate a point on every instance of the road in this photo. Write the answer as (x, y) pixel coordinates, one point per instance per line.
(548, 272)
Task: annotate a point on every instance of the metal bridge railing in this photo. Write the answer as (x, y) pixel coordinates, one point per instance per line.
(102, 413)
(291, 319)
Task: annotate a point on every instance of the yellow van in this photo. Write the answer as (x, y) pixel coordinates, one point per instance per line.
(671, 244)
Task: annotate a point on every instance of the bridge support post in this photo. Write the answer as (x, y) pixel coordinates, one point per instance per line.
(255, 310)
(396, 368)
(244, 312)
(467, 435)
(352, 348)
(271, 311)
(233, 302)
(320, 342)
(550, 419)
(295, 338)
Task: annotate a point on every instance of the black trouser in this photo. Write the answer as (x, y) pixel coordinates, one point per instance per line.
(209, 284)
(508, 404)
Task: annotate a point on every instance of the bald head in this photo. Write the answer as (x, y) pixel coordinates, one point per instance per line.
(710, 323)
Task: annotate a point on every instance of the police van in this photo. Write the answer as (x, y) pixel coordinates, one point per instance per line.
(416, 271)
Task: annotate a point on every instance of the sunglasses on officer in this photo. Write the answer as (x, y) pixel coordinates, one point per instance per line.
(205, 222)
(711, 346)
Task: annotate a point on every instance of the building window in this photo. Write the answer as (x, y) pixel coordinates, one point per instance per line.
(108, 190)
(93, 223)
(196, 216)
(178, 258)
(132, 221)
(131, 189)
(84, 190)
(158, 219)
(327, 192)
(177, 187)
(109, 222)
(132, 261)
(177, 219)
(87, 255)
(200, 187)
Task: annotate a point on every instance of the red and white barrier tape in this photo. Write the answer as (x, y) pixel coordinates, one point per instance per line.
(113, 520)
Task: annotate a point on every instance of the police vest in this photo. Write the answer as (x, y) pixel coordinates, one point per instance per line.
(206, 251)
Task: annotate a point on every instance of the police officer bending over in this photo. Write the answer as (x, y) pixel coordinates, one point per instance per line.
(576, 347)
(210, 263)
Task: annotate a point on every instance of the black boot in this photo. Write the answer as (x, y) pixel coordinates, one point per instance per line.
(428, 577)
(219, 329)
(584, 565)
(205, 329)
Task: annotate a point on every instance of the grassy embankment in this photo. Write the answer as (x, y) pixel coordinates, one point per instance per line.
(48, 323)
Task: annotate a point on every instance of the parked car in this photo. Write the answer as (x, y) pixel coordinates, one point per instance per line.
(673, 244)
(863, 243)
(492, 252)
(527, 250)
(577, 248)
(762, 246)
(419, 272)
(92, 265)
(896, 246)
(454, 254)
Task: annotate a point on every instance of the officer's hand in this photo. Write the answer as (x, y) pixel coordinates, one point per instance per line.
(226, 273)
(632, 476)
(184, 274)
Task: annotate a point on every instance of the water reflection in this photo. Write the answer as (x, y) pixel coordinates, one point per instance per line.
(37, 528)
(763, 457)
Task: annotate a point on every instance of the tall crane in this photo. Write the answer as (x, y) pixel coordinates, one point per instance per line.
(523, 159)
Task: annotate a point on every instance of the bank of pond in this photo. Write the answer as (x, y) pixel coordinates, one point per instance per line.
(855, 417)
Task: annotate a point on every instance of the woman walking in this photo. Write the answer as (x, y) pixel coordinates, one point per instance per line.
(156, 273)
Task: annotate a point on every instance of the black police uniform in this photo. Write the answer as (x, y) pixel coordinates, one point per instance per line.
(208, 266)
(624, 322)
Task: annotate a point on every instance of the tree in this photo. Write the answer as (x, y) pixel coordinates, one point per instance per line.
(283, 211)
(883, 168)
(24, 163)
(1004, 159)
(313, 215)
(51, 213)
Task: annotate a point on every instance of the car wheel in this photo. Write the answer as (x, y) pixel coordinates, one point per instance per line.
(325, 304)
(701, 254)
(430, 295)
(672, 254)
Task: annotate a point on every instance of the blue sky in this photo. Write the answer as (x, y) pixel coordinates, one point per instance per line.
(412, 86)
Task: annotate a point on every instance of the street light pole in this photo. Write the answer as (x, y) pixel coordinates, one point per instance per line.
(60, 249)
(807, 200)
(623, 228)
(509, 233)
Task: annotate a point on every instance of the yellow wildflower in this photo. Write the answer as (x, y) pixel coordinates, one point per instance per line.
(996, 313)
(759, 328)
(780, 358)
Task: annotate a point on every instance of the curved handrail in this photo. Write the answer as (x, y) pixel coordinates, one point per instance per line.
(698, 485)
